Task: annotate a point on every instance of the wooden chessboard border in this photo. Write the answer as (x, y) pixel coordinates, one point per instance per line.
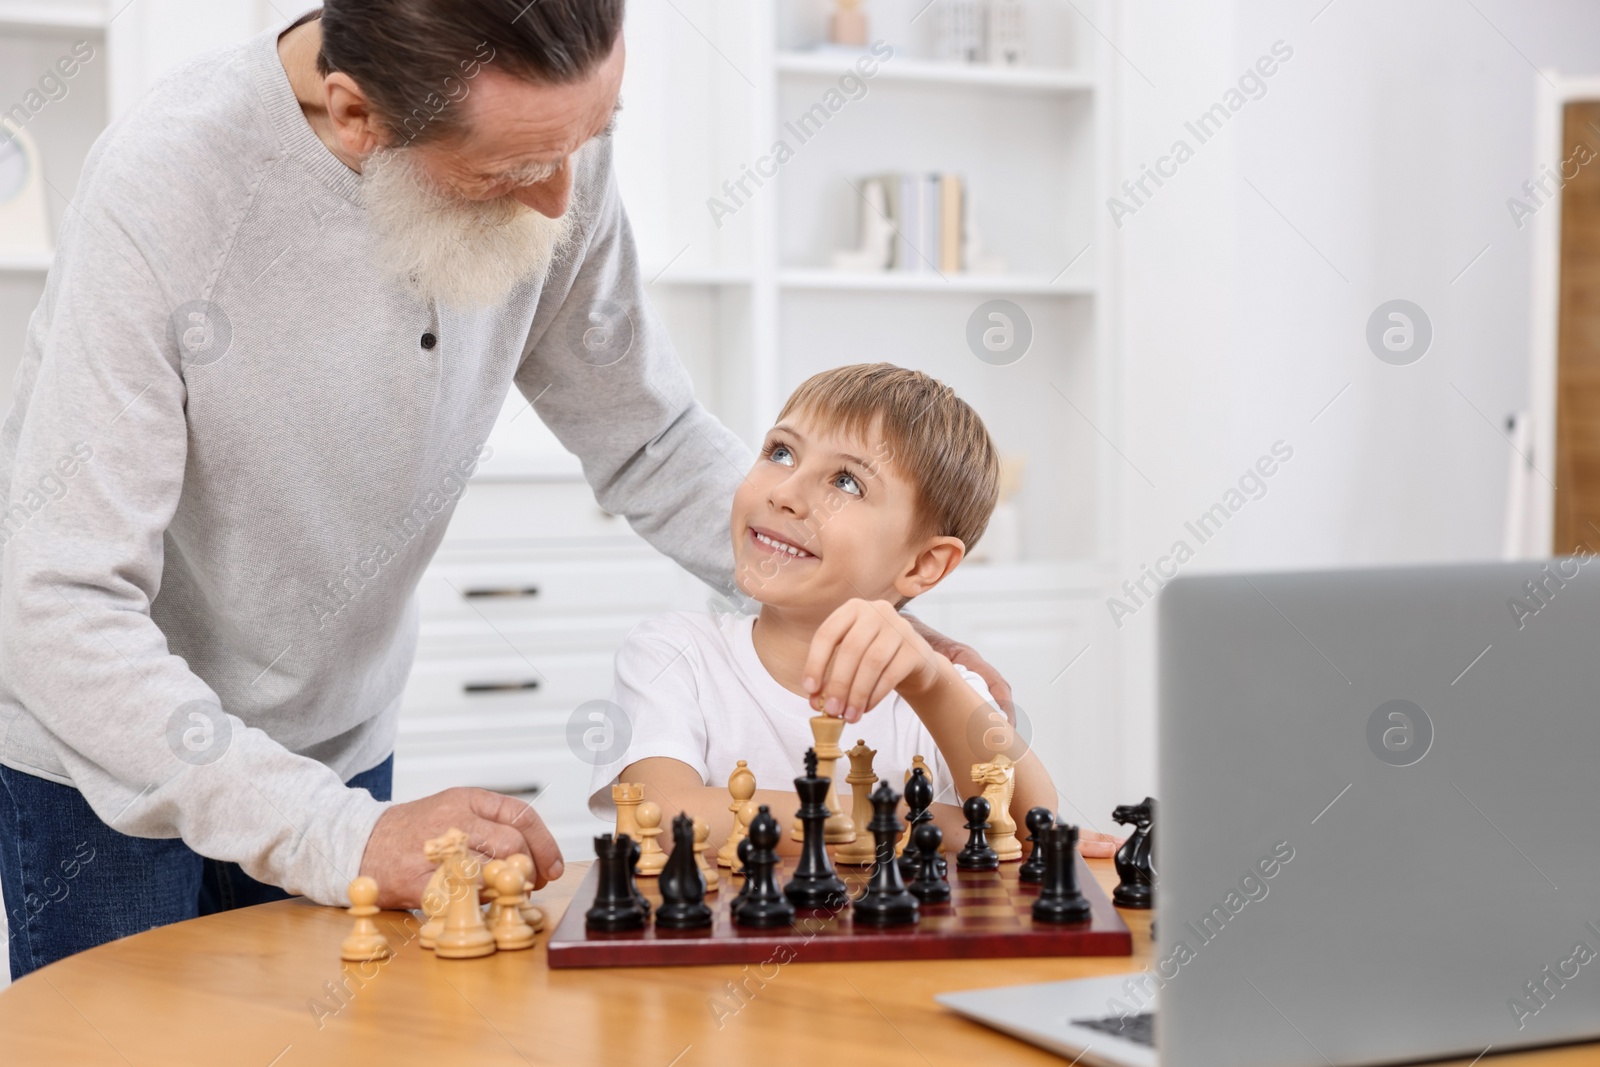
(822, 937)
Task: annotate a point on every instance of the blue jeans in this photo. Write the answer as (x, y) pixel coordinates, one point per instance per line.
(71, 882)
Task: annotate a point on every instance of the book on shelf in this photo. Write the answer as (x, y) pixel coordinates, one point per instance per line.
(928, 213)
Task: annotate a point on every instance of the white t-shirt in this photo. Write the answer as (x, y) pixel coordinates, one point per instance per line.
(693, 689)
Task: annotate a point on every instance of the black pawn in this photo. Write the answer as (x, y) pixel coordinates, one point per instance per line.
(1060, 900)
(615, 906)
(977, 856)
(919, 798)
(814, 883)
(929, 884)
(1038, 821)
(886, 902)
(762, 903)
(683, 886)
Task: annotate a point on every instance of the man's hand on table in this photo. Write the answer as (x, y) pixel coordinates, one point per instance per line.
(495, 825)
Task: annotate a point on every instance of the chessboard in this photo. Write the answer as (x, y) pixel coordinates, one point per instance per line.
(989, 915)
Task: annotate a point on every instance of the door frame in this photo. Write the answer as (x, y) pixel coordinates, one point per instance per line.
(1553, 93)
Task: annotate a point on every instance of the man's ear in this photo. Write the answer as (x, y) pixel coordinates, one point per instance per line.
(935, 559)
(355, 122)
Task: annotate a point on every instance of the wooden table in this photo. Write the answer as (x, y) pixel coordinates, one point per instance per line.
(238, 989)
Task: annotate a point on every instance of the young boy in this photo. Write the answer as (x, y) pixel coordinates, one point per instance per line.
(873, 485)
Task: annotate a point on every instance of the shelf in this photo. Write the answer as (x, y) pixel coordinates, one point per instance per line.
(32, 16)
(894, 281)
(24, 262)
(975, 75)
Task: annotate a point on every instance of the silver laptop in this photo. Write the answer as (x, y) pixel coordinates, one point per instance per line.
(1378, 831)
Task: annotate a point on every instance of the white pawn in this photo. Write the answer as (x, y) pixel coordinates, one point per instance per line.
(702, 831)
(742, 786)
(511, 932)
(651, 859)
(366, 942)
(530, 912)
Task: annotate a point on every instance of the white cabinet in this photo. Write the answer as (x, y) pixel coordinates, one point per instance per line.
(522, 612)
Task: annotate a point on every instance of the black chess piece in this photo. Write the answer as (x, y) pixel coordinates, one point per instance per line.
(633, 871)
(929, 884)
(919, 798)
(743, 851)
(615, 904)
(977, 856)
(683, 886)
(814, 883)
(1060, 900)
(886, 902)
(1136, 872)
(761, 902)
(1038, 821)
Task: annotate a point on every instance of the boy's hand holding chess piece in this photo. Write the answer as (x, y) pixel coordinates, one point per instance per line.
(866, 648)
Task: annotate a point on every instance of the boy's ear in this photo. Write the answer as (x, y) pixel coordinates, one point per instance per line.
(935, 559)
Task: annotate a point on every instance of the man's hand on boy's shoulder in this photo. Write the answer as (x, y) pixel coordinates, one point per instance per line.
(861, 652)
(966, 656)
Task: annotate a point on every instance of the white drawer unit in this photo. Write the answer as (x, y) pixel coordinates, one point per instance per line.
(512, 690)
(535, 585)
(554, 781)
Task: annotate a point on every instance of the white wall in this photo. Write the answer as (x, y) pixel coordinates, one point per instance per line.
(1390, 141)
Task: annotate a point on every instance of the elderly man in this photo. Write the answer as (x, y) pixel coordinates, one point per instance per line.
(297, 282)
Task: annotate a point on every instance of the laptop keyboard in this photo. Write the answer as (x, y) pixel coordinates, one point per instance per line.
(1140, 1028)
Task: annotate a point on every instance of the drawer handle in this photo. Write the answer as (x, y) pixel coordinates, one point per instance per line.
(479, 594)
(500, 687)
(532, 789)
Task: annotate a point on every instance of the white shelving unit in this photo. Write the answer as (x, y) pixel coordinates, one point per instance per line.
(753, 308)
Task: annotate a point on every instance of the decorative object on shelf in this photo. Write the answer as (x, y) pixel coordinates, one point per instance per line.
(1007, 33)
(958, 33)
(875, 249)
(1002, 538)
(24, 225)
(982, 31)
(974, 260)
(848, 24)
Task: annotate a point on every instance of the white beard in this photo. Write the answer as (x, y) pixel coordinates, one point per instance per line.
(468, 253)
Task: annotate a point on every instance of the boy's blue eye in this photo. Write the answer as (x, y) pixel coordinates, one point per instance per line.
(781, 454)
(847, 481)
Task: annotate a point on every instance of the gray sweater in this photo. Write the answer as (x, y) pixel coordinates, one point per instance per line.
(231, 456)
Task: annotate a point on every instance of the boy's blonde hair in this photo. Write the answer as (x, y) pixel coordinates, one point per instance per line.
(934, 437)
